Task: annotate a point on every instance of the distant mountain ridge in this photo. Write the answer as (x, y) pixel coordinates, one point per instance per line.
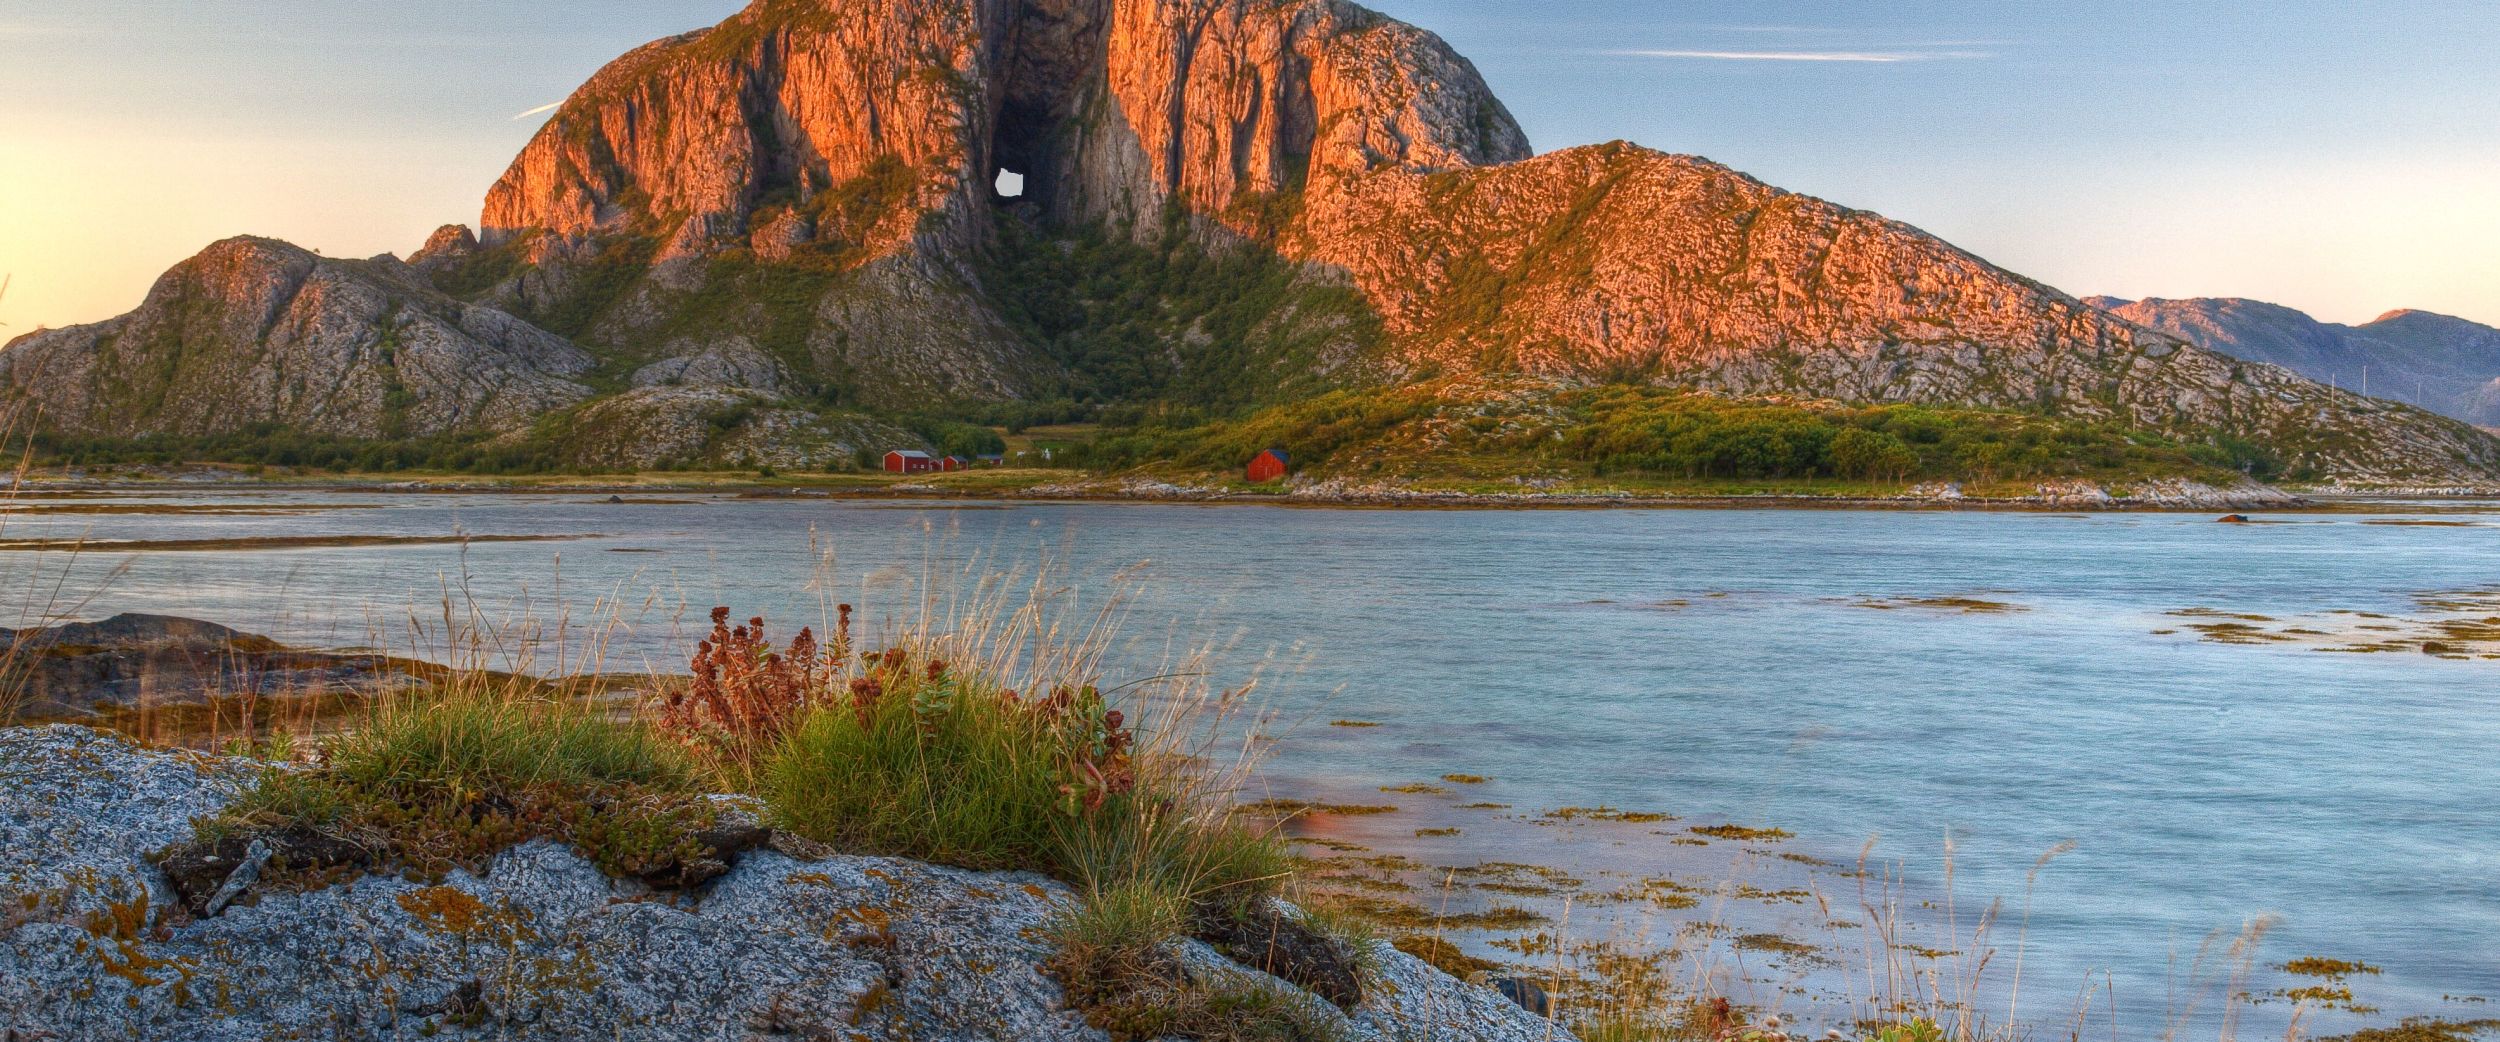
(793, 212)
(2439, 362)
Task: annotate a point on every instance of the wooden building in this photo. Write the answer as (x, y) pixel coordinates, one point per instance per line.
(1269, 466)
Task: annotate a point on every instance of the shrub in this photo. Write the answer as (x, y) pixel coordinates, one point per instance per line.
(1865, 454)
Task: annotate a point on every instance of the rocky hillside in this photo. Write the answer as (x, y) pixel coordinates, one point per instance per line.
(800, 203)
(2444, 364)
(256, 331)
(97, 942)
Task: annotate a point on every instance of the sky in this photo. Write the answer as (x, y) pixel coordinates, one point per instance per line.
(2338, 157)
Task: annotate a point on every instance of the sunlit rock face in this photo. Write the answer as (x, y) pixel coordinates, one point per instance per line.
(256, 331)
(810, 187)
(1361, 145)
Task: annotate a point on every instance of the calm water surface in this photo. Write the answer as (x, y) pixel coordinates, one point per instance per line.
(1718, 665)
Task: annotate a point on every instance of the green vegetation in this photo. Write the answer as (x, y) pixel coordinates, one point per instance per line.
(1165, 325)
(589, 288)
(1464, 431)
(449, 777)
(894, 752)
(933, 765)
(904, 753)
(933, 750)
(482, 269)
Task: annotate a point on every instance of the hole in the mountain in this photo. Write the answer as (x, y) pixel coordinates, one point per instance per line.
(1010, 184)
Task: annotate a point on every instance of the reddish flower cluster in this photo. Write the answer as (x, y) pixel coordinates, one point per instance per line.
(744, 697)
(742, 691)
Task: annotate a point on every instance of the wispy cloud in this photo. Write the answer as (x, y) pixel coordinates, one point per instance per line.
(549, 107)
(1871, 57)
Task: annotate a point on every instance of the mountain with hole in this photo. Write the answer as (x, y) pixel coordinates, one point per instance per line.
(820, 228)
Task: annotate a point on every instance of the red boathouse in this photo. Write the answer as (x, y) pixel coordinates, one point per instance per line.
(1269, 466)
(909, 461)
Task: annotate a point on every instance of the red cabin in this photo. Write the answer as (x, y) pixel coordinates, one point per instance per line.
(1269, 466)
(909, 461)
(953, 463)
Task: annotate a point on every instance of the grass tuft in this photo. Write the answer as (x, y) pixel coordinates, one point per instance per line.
(447, 779)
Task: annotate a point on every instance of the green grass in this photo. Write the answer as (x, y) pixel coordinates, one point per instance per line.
(1114, 963)
(448, 778)
(955, 748)
(926, 762)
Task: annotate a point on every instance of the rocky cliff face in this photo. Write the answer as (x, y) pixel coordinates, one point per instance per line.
(257, 331)
(1353, 143)
(2444, 364)
(1616, 261)
(774, 122)
(95, 943)
(808, 187)
(854, 149)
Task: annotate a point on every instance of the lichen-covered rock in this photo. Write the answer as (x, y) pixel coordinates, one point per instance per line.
(541, 945)
(79, 812)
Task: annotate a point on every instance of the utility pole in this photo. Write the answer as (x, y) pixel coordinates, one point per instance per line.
(2365, 381)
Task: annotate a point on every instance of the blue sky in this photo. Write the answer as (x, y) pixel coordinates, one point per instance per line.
(2343, 158)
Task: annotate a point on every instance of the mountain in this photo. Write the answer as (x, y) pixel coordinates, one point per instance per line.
(1230, 203)
(255, 331)
(2444, 364)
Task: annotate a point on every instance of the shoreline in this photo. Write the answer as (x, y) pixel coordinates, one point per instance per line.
(2167, 495)
(1752, 932)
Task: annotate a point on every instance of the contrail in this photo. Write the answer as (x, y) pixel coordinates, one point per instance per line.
(542, 108)
(1886, 57)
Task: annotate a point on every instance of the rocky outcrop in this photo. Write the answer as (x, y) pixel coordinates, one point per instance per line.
(811, 183)
(131, 661)
(1616, 261)
(859, 144)
(713, 426)
(258, 331)
(1107, 107)
(1351, 142)
(2438, 362)
(94, 943)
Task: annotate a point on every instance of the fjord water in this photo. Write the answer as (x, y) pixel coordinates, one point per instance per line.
(1718, 665)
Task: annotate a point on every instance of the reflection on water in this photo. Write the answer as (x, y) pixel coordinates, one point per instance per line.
(2004, 682)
